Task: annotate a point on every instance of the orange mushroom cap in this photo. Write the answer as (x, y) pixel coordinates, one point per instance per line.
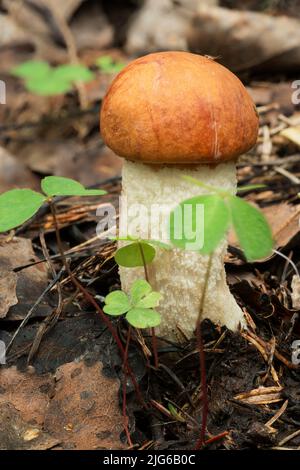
(178, 108)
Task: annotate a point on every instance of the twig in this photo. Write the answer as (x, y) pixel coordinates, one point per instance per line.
(278, 414)
(50, 321)
(32, 309)
(289, 438)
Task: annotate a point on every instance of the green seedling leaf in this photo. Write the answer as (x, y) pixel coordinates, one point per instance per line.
(130, 238)
(107, 65)
(143, 318)
(199, 223)
(252, 229)
(72, 73)
(47, 86)
(116, 303)
(130, 255)
(17, 206)
(60, 186)
(31, 69)
(149, 301)
(139, 289)
(175, 413)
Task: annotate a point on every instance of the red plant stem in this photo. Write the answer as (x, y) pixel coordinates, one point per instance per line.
(201, 440)
(124, 404)
(216, 438)
(153, 335)
(93, 302)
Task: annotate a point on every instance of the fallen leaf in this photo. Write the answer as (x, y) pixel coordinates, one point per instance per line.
(17, 434)
(30, 282)
(75, 408)
(84, 412)
(8, 286)
(261, 396)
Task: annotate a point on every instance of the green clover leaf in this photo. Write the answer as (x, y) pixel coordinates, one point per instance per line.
(60, 186)
(116, 303)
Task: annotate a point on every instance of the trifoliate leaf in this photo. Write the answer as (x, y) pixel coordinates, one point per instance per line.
(143, 318)
(17, 206)
(47, 86)
(149, 301)
(138, 290)
(199, 223)
(252, 229)
(131, 255)
(60, 186)
(72, 73)
(116, 303)
(107, 65)
(32, 69)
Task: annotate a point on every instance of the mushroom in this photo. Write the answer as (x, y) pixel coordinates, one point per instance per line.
(171, 114)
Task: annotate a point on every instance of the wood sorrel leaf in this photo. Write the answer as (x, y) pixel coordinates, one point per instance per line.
(252, 229)
(34, 69)
(131, 255)
(47, 86)
(17, 206)
(138, 290)
(60, 186)
(72, 73)
(116, 303)
(149, 301)
(143, 318)
(199, 223)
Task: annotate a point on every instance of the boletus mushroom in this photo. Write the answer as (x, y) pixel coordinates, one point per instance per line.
(171, 114)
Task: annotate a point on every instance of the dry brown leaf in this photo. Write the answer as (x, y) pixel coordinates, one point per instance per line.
(84, 412)
(28, 393)
(17, 434)
(31, 282)
(8, 286)
(284, 221)
(77, 408)
(261, 396)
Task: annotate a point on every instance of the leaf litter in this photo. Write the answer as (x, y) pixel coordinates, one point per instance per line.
(254, 399)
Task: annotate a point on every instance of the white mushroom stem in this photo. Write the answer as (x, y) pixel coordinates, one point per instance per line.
(179, 275)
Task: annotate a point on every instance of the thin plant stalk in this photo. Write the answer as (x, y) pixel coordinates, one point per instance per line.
(124, 404)
(93, 302)
(201, 440)
(153, 335)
